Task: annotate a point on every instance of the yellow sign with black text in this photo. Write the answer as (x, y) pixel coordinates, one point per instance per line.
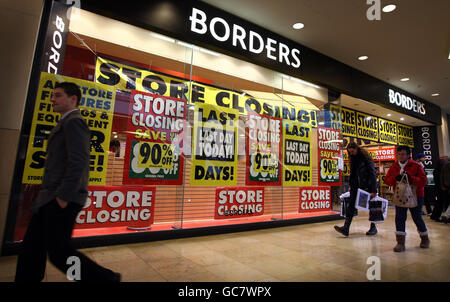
(405, 135)
(214, 156)
(387, 131)
(367, 126)
(297, 170)
(96, 106)
(125, 77)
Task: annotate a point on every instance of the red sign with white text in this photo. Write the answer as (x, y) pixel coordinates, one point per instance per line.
(314, 199)
(111, 206)
(238, 202)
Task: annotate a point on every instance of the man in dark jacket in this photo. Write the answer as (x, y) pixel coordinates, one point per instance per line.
(362, 176)
(62, 195)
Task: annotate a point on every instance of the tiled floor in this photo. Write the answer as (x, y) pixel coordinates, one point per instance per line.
(313, 252)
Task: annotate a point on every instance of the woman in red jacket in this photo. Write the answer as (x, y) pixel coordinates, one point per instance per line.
(416, 176)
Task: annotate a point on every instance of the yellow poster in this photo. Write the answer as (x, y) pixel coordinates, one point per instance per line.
(297, 154)
(96, 106)
(405, 135)
(343, 119)
(367, 126)
(126, 77)
(387, 131)
(214, 157)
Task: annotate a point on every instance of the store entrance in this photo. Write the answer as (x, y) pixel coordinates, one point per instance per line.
(379, 130)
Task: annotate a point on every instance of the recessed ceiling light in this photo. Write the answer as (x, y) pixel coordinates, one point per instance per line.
(389, 8)
(389, 114)
(298, 26)
(363, 58)
(404, 79)
(402, 118)
(435, 94)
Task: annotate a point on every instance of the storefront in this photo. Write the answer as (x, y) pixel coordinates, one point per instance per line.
(201, 122)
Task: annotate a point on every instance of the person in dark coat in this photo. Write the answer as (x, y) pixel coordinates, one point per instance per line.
(420, 158)
(440, 190)
(363, 176)
(61, 197)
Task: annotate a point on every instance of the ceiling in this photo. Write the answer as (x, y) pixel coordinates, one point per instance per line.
(411, 42)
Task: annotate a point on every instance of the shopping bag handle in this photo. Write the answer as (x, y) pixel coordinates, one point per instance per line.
(405, 175)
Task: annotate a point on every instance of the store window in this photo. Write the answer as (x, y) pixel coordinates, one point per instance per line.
(183, 137)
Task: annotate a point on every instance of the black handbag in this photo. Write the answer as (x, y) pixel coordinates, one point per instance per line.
(376, 211)
(345, 203)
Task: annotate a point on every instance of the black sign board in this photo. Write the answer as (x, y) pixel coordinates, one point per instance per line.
(425, 141)
(209, 27)
(56, 39)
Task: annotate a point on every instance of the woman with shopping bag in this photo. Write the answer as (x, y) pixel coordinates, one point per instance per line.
(363, 176)
(408, 179)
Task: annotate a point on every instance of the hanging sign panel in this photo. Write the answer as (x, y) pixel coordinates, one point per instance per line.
(264, 161)
(214, 156)
(405, 135)
(97, 108)
(126, 77)
(297, 168)
(367, 126)
(329, 148)
(387, 131)
(153, 152)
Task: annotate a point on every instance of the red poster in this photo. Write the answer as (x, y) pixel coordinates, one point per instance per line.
(329, 148)
(153, 152)
(238, 202)
(314, 199)
(385, 154)
(112, 206)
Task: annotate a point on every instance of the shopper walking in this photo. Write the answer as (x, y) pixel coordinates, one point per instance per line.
(62, 195)
(416, 176)
(445, 183)
(440, 190)
(363, 176)
(420, 158)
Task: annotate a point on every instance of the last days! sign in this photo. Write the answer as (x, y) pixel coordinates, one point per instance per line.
(214, 156)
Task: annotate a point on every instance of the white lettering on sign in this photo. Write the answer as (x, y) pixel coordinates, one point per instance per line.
(315, 199)
(238, 37)
(57, 42)
(406, 102)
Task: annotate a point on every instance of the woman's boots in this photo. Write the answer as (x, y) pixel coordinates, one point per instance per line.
(400, 247)
(424, 241)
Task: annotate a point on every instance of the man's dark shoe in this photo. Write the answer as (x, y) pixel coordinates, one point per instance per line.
(373, 230)
(342, 230)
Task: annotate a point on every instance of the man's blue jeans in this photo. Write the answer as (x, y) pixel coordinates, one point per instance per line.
(416, 214)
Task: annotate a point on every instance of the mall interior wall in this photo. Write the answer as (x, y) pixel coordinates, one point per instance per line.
(19, 25)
